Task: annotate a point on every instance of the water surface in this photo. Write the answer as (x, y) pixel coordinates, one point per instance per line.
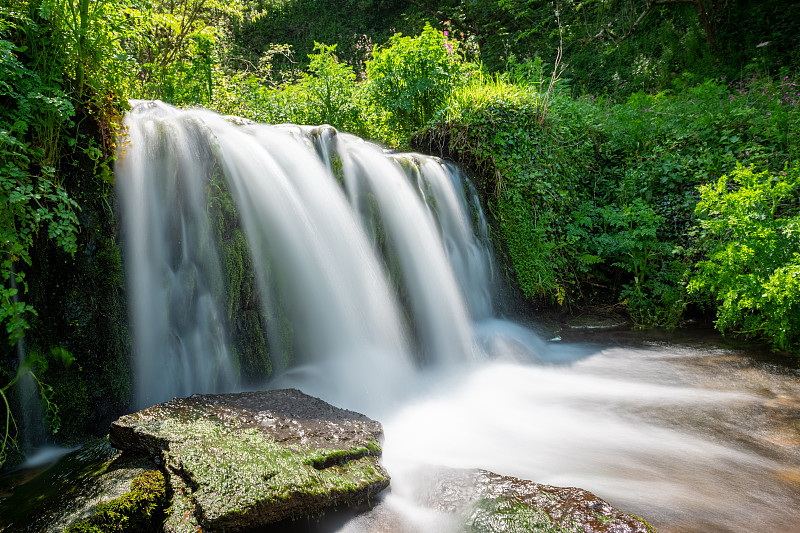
(691, 436)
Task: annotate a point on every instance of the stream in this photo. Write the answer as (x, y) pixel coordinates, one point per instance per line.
(690, 434)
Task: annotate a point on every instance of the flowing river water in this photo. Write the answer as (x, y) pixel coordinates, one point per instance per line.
(379, 265)
(692, 436)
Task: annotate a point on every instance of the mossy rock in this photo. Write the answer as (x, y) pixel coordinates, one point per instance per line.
(510, 504)
(250, 459)
(485, 502)
(140, 510)
(94, 489)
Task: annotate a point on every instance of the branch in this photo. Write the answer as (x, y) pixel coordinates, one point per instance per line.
(186, 26)
(649, 7)
(464, 27)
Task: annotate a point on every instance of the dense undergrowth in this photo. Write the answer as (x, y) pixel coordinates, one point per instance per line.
(624, 182)
(597, 206)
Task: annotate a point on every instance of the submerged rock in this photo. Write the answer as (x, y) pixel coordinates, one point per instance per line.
(487, 502)
(94, 487)
(238, 461)
(527, 506)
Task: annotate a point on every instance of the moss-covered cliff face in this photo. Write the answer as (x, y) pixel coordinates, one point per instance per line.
(247, 326)
(466, 146)
(80, 307)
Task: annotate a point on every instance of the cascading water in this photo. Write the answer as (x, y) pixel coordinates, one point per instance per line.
(172, 265)
(32, 424)
(374, 272)
(352, 320)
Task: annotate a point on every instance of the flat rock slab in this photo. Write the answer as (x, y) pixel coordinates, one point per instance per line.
(249, 459)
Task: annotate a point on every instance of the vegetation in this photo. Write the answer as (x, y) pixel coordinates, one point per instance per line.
(598, 205)
(656, 175)
(140, 510)
(750, 233)
(61, 99)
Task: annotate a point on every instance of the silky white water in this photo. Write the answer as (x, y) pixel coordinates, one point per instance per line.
(380, 265)
(682, 436)
(171, 264)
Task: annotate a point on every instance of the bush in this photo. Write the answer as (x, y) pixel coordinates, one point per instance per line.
(332, 96)
(750, 231)
(596, 204)
(408, 80)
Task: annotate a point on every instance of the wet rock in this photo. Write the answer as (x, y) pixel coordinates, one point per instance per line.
(140, 509)
(596, 321)
(83, 487)
(490, 502)
(249, 459)
(181, 517)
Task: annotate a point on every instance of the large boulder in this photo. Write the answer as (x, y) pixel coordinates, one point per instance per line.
(237, 461)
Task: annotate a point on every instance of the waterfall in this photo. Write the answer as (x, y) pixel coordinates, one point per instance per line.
(376, 262)
(32, 430)
(172, 266)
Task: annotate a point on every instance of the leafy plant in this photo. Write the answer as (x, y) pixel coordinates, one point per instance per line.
(750, 231)
(29, 189)
(408, 79)
(332, 95)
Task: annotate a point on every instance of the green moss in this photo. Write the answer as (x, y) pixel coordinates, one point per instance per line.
(82, 309)
(140, 510)
(71, 396)
(649, 527)
(181, 513)
(234, 472)
(242, 302)
(235, 257)
(326, 458)
(529, 248)
(504, 515)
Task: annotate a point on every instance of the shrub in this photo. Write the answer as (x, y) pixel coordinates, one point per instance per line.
(750, 230)
(411, 77)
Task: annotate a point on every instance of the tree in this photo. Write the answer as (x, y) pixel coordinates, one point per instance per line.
(175, 43)
(636, 11)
